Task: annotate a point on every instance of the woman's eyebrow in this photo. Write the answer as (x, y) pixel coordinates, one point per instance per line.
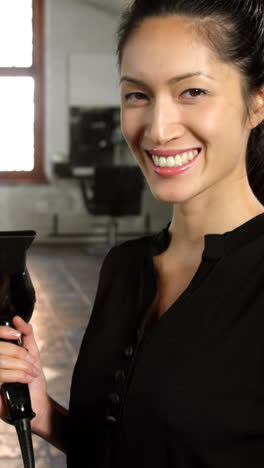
(177, 78)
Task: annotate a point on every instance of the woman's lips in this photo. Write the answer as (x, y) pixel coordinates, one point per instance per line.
(169, 163)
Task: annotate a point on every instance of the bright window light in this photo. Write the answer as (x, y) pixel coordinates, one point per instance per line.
(17, 123)
(16, 35)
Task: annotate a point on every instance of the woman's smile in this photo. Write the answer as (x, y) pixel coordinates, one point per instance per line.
(168, 163)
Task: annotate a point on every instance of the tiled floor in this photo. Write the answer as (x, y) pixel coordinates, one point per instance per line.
(65, 280)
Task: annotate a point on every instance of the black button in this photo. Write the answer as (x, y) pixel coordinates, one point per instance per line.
(111, 419)
(129, 351)
(114, 399)
(120, 376)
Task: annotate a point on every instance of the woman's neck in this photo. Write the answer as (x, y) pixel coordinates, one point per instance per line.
(206, 214)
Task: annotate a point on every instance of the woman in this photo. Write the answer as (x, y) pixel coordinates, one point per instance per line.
(171, 368)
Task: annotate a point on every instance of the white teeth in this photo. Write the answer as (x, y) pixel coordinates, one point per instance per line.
(156, 160)
(162, 162)
(192, 154)
(184, 158)
(178, 161)
(175, 161)
(170, 161)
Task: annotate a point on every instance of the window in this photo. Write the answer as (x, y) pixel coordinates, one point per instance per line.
(21, 90)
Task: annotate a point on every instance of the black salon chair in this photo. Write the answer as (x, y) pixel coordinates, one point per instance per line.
(114, 191)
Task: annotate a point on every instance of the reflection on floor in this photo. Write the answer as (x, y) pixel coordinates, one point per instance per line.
(65, 279)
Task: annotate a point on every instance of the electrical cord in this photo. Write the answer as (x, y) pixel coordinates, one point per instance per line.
(19, 414)
(25, 440)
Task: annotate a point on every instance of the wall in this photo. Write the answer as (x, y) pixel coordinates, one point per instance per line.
(72, 28)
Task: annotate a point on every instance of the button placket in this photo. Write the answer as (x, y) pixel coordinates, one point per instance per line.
(129, 351)
(120, 377)
(116, 398)
(111, 419)
(130, 354)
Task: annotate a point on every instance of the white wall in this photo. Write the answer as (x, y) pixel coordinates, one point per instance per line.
(72, 28)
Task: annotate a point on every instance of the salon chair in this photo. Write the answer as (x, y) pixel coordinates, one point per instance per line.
(113, 191)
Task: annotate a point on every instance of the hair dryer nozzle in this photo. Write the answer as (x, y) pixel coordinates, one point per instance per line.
(13, 247)
(17, 294)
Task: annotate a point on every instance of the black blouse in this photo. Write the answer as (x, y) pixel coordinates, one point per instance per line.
(188, 392)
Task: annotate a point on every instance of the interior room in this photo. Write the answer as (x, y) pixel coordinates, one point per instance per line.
(66, 173)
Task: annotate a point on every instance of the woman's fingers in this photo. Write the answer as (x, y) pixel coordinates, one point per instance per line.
(16, 364)
(22, 326)
(27, 333)
(7, 333)
(14, 351)
(10, 376)
(8, 363)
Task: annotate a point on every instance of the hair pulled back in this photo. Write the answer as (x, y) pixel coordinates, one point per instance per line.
(235, 30)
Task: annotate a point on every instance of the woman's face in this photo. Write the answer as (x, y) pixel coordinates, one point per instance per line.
(183, 114)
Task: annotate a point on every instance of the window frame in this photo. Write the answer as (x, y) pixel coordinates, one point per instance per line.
(36, 71)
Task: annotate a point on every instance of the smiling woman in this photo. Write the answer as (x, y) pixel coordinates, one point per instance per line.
(186, 305)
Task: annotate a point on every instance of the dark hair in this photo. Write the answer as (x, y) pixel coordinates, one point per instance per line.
(235, 29)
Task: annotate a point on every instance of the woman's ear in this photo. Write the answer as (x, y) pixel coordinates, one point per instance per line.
(257, 109)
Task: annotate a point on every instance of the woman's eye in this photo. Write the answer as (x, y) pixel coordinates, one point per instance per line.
(190, 93)
(136, 96)
(194, 92)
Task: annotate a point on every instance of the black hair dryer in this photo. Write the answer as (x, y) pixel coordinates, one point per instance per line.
(17, 297)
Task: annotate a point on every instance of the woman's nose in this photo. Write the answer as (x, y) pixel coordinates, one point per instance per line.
(164, 124)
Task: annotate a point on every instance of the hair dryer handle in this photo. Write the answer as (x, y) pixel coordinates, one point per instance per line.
(17, 397)
(17, 400)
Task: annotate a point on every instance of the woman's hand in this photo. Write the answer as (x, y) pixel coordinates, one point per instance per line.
(22, 364)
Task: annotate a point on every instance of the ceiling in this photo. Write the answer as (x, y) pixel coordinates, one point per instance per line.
(110, 6)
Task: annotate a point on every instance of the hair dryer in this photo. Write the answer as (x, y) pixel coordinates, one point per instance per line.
(17, 297)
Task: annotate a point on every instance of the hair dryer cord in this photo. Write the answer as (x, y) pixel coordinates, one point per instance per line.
(25, 439)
